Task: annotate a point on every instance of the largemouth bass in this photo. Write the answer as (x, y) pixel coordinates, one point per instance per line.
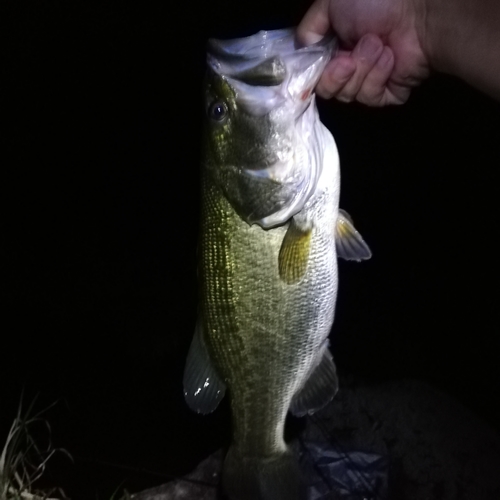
(271, 231)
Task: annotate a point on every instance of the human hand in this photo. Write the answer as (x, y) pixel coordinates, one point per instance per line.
(380, 57)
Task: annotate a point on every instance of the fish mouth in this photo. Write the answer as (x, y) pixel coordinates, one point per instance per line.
(270, 58)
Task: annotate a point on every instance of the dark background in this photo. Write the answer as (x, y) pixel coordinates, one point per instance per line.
(101, 117)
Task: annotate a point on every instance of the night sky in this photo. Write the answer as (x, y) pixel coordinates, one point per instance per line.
(101, 115)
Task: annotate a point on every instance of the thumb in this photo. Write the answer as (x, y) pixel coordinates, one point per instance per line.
(315, 24)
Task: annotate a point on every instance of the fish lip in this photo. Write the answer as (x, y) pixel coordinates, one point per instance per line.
(221, 47)
(239, 57)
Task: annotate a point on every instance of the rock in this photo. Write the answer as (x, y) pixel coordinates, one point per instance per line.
(201, 484)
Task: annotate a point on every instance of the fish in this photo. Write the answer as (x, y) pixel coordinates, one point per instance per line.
(270, 234)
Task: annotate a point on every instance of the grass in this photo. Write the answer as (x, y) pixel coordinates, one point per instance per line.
(23, 461)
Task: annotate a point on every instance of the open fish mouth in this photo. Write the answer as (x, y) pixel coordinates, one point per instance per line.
(268, 57)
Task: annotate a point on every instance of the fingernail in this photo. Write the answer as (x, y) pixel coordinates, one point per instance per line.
(343, 98)
(369, 47)
(324, 93)
(310, 38)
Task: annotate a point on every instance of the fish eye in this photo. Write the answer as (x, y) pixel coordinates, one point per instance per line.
(218, 110)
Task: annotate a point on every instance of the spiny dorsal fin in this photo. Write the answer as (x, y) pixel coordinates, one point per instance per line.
(294, 253)
(349, 243)
(203, 388)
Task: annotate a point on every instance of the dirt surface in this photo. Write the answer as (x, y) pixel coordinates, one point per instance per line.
(424, 446)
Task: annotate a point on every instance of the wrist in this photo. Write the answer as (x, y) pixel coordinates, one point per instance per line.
(436, 32)
(462, 38)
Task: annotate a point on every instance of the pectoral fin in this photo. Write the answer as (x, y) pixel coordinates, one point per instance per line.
(349, 243)
(203, 388)
(294, 252)
(319, 389)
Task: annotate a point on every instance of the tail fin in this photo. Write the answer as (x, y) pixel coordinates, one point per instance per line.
(272, 478)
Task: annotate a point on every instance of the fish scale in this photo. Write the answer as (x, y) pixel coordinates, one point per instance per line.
(263, 334)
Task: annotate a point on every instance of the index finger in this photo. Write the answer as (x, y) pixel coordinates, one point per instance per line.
(315, 24)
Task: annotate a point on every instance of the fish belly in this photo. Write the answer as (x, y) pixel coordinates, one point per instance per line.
(263, 335)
